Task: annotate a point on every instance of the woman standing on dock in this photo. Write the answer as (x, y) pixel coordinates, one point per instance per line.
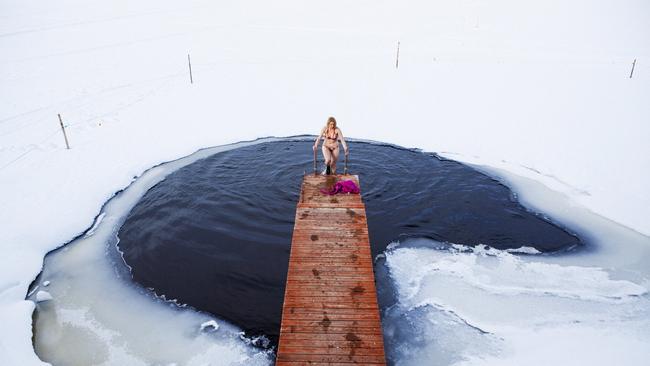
(331, 136)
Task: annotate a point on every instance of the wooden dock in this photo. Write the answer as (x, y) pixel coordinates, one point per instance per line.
(330, 314)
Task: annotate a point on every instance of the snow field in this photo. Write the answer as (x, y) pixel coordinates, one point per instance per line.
(540, 88)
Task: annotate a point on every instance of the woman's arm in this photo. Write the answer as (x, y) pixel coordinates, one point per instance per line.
(318, 139)
(345, 146)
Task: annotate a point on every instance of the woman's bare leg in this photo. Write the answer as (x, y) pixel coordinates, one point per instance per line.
(327, 154)
(335, 157)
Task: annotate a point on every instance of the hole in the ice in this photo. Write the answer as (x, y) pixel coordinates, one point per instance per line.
(222, 236)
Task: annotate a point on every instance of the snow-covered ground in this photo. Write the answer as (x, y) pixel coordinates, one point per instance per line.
(539, 89)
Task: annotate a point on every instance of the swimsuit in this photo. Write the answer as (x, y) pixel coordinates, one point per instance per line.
(334, 139)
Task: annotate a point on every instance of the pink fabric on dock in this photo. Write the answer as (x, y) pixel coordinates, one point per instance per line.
(344, 186)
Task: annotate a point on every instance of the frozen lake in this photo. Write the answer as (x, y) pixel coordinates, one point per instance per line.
(206, 238)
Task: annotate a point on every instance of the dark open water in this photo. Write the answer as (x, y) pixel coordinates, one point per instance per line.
(216, 234)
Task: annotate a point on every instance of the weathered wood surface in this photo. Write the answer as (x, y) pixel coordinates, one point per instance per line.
(330, 314)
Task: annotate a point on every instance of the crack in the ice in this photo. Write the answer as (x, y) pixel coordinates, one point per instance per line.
(457, 317)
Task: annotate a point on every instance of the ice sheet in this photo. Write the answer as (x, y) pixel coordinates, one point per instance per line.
(478, 307)
(93, 314)
(543, 86)
(481, 306)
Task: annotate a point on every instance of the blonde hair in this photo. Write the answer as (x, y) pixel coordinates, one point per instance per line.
(327, 124)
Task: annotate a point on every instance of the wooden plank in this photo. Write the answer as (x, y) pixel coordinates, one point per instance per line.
(331, 286)
(344, 349)
(324, 358)
(345, 294)
(337, 262)
(325, 304)
(331, 330)
(330, 314)
(362, 315)
(331, 337)
(344, 252)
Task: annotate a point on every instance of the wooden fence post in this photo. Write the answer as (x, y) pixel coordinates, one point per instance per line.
(189, 63)
(397, 58)
(64, 134)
